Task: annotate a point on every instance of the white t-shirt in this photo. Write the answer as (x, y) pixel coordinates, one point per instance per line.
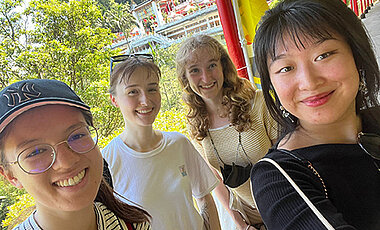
(163, 180)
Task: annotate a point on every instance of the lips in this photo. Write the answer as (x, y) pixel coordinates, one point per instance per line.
(144, 111)
(208, 86)
(318, 100)
(71, 181)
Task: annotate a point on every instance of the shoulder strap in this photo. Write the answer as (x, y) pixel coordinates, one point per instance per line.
(304, 197)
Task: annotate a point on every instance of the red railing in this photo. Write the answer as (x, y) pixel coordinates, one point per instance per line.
(360, 7)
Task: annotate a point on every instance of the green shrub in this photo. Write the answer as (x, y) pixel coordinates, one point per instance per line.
(19, 211)
(10, 196)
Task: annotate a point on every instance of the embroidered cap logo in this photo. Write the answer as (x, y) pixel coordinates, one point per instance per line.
(21, 94)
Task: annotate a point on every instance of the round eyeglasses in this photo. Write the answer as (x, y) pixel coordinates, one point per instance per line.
(39, 158)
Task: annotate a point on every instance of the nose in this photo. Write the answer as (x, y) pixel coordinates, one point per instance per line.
(308, 77)
(205, 75)
(143, 98)
(64, 157)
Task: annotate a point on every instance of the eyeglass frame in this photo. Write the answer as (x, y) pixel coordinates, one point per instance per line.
(54, 151)
(124, 57)
(362, 134)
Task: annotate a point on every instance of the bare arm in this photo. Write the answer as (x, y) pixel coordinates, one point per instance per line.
(223, 195)
(208, 212)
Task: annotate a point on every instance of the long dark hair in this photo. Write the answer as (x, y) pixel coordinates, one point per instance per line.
(316, 20)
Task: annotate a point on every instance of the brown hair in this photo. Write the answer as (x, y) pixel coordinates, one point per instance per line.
(129, 213)
(123, 71)
(237, 92)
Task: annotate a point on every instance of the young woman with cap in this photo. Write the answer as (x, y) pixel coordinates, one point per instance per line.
(48, 146)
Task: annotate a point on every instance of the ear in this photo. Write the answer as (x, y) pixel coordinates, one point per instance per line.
(113, 101)
(7, 174)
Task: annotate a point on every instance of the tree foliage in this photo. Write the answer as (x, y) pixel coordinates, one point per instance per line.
(169, 85)
(9, 196)
(19, 211)
(118, 18)
(66, 43)
(12, 26)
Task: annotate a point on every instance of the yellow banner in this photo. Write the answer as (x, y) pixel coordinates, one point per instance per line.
(251, 12)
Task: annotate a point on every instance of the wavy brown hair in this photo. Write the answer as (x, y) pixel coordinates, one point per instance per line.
(237, 92)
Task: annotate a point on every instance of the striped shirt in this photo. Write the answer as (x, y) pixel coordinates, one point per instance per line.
(106, 220)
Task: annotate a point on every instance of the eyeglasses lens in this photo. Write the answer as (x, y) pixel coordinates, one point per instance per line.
(38, 159)
(83, 140)
(371, 144)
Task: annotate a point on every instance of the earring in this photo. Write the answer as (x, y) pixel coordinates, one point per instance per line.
(362, 84)
(285, 114)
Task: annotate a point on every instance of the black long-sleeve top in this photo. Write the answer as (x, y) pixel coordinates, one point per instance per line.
(352, 181)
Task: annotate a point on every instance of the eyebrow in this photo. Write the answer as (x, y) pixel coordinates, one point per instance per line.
(317, 42)
(195, 65)
(68, 130)
(135, 85)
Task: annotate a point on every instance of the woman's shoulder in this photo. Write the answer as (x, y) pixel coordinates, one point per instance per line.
(176, 139)
(258, 106)
(173, 134)
(289, 160)
(28, 224)
(141, 226)
(116, 141)
(107, 219)
(258, 100)
(371, 120)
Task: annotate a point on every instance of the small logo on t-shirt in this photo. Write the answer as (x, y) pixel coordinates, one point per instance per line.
(182, 169)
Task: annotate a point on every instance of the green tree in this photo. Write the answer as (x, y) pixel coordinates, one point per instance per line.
(8, 196)
(11, 31)
(170, 89)
(118, 18)
(68, 45)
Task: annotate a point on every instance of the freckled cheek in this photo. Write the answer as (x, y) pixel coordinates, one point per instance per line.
(342, 70)
(283, 89)
(285, 94)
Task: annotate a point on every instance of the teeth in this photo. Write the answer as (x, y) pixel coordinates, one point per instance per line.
(71, 181)
(145, 111)
(208, 86)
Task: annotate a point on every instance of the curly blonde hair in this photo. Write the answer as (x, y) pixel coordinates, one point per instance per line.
(237, 92)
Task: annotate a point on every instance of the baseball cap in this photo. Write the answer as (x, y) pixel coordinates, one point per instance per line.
(27, 94)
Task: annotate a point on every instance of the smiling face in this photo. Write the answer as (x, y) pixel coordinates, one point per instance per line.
(72, 182)
(205, 75)
(318, 83)
(138, 98)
